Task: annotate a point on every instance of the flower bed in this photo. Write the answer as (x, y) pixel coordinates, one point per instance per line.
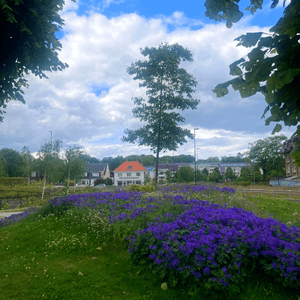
(192, 240)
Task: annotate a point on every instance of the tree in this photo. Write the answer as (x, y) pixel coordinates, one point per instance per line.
(278, 168)
(49, 162)
(205, 172)
(213, 159)
(2, 166)
(113, 162)
(185, 174)
(271, 67)
(12, 162)
(27, 162)
(75, 166)
(27, 44)
(216, 175)
(229, 174)
(89, 159)
(265, 153)
(147, 160)
(245, 174)
(200, 176)
(183, 158)
(169, 88)
(233, 159)
(169, 176)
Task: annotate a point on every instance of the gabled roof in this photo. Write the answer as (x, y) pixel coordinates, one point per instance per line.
(130, 166)
(96, 167)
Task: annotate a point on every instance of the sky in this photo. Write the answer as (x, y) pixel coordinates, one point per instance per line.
(90, 103)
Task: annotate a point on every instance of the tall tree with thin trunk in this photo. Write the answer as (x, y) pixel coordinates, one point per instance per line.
(75, 165)
(169, 88)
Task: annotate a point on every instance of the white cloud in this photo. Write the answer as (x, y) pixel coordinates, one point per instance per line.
(90, 102)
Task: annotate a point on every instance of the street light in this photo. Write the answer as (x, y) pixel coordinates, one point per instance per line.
(195, 150)
(51, 140)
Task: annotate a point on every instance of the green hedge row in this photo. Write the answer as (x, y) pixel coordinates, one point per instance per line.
(141, 188)
(12, 181)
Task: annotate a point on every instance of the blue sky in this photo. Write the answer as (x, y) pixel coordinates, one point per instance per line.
(89, 104)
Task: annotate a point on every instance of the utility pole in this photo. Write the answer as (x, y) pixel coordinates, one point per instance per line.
(51, 141)
(195, 150)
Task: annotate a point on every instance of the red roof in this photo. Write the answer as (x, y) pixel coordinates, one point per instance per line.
(130, 166)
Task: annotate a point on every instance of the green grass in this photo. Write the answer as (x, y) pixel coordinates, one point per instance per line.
(80, 256)
(282, 210)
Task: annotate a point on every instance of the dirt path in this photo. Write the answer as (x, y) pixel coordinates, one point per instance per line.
(8, 214)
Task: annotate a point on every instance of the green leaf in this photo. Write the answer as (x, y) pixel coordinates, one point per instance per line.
(274, 3)
(228, 24)
(248, 39)
(265, 111)
(235, 70)
(221, 89)
(237, 83)
(277, 128)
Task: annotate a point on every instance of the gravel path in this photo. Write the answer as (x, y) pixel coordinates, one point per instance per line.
(8, 214)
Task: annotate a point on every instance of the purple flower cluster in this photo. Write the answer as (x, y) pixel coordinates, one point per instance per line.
(207, 238)
(16, 217)
(196, 189)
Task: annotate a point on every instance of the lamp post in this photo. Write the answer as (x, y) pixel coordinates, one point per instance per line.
(51, 140)
(195, 150)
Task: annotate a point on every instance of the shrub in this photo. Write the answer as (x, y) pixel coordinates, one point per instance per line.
(12, 181)
(141, 188)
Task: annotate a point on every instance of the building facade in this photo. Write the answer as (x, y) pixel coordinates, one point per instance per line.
(95, 171)
(292, 171)
(129, 172)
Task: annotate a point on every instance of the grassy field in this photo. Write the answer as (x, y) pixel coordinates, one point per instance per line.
(66, 252)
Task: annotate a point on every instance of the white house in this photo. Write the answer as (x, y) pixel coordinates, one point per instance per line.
(129, 172)
(95, 171)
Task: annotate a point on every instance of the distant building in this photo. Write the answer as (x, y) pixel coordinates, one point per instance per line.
(95, 171)
(209, 166)
(291, 170)
(236, 167)
(128, 173)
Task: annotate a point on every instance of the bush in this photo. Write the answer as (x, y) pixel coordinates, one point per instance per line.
(141, 188)
(12, 181)
(99, 181)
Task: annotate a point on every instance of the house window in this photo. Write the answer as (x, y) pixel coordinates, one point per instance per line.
(138, 174)
(96, 174)
(85, 174)
(83, 182)
(129, 168)
(128, 174)
(33, 174)
(120, 174)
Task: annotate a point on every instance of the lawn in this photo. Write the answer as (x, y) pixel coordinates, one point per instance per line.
(186, 242)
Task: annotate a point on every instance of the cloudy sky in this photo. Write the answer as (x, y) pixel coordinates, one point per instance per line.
(89, 104)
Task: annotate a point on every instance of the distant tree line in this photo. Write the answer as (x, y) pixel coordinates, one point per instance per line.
(53, 164)
(69, 164)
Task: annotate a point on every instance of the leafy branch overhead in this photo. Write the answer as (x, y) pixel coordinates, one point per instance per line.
(272, 67)
(27, 44)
